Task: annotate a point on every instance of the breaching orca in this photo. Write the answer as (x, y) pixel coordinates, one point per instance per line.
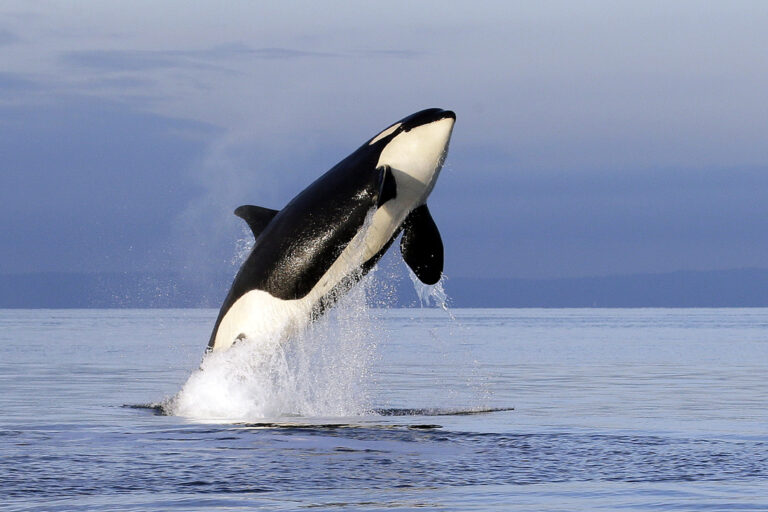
(327, 237)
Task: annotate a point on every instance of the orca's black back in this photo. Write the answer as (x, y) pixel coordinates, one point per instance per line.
(304, 239)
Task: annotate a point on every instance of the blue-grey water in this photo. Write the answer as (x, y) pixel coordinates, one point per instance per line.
(643, 409)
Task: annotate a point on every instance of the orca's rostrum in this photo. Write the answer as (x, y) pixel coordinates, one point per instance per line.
(335, 230)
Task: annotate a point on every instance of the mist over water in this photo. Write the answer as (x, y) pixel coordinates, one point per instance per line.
(243, 246)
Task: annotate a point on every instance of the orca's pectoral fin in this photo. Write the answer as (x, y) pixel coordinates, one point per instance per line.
(387, 185)
(256, 217)
(422, 246)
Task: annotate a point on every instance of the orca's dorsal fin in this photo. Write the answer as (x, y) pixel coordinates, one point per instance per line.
(387, 185)
(422, 246)
(256, 217)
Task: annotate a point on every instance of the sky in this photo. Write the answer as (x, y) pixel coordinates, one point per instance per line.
(592, 138)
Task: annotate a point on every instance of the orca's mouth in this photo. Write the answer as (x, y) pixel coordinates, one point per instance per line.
(427, 116)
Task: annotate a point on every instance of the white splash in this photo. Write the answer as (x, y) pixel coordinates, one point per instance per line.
(430, 294)
(243, 246)
(322, 371)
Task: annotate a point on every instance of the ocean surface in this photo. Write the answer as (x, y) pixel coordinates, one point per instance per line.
(469, 409)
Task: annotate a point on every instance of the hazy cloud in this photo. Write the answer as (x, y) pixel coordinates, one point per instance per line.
(122, 83)
(8, 37)
(398, 54)
(591, 138)
(283, 53)
(92, 184)
(125, 60)
(141, 60)
(15, 82)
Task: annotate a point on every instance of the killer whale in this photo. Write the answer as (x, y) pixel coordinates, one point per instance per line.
(334, 231)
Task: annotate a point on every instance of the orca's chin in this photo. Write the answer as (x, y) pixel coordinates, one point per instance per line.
(420, 152)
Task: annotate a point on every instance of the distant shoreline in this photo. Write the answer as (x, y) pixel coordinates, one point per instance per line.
(738, 288)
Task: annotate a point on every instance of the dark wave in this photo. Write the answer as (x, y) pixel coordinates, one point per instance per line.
(242, 460)
(157, 409)
(160, 409)
(437, 411)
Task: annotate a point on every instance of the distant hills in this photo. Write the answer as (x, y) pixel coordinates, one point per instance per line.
(722, 288)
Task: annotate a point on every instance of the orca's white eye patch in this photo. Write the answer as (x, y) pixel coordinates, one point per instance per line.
(385, 133)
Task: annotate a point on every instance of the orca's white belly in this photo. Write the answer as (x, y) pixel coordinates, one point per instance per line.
(258, 316)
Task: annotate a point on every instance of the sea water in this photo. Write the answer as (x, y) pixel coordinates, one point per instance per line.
(493, 409)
